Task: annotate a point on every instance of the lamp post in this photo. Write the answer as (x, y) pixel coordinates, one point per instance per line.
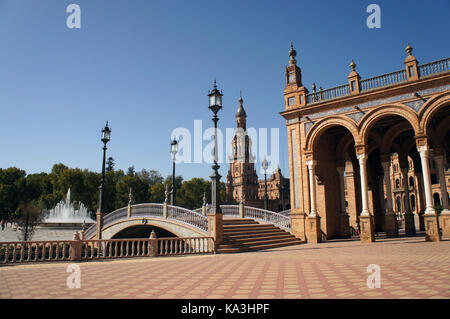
(174, 151)
(215, 105)
(106, 136)
(265, 165)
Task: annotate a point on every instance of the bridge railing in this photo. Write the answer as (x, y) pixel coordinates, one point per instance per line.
(230, 210)
(188, 217)
(42, 251)
(286, 212)
(269, 217)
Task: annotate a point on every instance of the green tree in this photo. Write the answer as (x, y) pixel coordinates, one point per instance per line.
(110, 164)
(12, 189)
(26, 218)
(156, 193)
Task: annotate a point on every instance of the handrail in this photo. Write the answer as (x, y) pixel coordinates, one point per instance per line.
(188, 217)
(180, 214)
(379, 81)
(63, 250)
(435, 67)
(383, 80)
(286, 212)
(328, 94)
(270, 217)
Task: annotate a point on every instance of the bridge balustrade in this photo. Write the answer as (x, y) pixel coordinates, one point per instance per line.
(41, 251)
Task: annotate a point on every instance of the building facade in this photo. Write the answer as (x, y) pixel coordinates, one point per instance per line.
(242, 181)
(353, 150)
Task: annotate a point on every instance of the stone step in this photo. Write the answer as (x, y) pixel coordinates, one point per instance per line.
(259, 238)
(255, 243)
(238, 221)
(247, 227)
(257, 234)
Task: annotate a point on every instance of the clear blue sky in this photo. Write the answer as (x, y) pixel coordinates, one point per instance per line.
(146, 66)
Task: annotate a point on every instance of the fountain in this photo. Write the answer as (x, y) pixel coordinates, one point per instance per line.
(65, 214)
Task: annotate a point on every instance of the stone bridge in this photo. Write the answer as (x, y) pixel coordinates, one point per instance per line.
(137, 221)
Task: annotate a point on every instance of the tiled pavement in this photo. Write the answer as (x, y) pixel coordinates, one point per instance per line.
(410, 268)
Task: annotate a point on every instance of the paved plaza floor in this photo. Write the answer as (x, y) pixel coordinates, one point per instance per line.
(409, 268)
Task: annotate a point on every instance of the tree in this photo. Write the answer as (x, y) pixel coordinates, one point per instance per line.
(157, 193)
(12, 189)
(110, 164)
(26, 218)
(191, 193)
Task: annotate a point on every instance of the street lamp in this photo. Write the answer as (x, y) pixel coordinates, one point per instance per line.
(265, 165)
(106, 137)
(215, 105)
(174, 151)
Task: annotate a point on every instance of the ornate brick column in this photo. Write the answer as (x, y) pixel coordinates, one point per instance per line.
(366, 218)
(431, 220)
(445, 214)
(313, 232)
(390, 226)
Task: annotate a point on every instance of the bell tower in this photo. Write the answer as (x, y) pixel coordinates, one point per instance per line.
(294, 91)
(242, 180)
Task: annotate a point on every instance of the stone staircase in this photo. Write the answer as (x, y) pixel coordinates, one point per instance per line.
(241, 235)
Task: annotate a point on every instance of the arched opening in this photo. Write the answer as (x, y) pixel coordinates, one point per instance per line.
(411, 181)
(436, 199)
(142, 231)
(413, 202)
(336, 181)
(392, 137)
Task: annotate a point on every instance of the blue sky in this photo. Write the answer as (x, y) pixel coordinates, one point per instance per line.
(147, 66)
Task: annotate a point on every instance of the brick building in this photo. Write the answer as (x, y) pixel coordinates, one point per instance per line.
(354, 148)
(242, 181)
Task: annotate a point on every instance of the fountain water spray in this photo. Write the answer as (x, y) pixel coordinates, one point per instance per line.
(65, 212)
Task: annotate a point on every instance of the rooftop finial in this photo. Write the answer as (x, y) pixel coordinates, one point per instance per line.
(409, 49)
(353, 65)
(215, 86)
(292, 54)
(314, 87)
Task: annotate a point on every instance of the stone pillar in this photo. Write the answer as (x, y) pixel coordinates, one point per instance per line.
(241, 209)
(431, 220)
(313, 232)
(153, 245)
(390, 222)
(99, 225)
(366, 219)
(444, 217)
(165, 210)
(410, 229)
(344, 218)
(215, 227)
(75, 248)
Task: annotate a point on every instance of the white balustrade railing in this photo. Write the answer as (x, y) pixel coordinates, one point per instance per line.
(30, 251)
(76, 250)
(230, 210)
(285, 212)
(268, 216)
(188, 217)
